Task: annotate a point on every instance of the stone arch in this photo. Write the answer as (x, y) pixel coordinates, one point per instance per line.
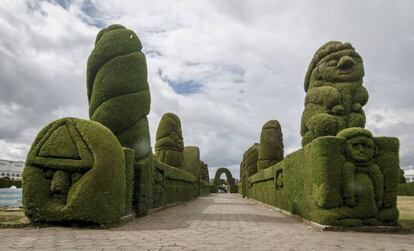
(230, 180)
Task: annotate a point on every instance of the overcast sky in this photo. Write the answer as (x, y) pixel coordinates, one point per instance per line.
(225, 67)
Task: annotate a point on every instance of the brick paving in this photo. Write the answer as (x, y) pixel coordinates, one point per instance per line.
(216, 222)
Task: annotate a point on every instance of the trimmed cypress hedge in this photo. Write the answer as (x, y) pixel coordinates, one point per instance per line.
(169, 146)
(233, 188)
(75, 171)
(406, 189)
(7, 183)
(271, 145)
(192, 163)
(334, 92)
(310, 181)
(120, 99)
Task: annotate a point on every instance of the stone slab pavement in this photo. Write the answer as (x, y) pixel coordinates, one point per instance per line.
(215, 222)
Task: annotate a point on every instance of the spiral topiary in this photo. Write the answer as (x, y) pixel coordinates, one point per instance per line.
(117, 87)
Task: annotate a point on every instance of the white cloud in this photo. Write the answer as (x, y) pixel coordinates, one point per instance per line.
(250, 58)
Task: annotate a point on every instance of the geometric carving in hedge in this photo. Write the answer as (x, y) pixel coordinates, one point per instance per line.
(75, 171)
(334, 92)
(117, 86)
(169, 143)
(271, 145)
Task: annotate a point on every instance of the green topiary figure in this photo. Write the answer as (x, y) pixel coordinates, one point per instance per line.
(117, 86)
(334, 92)
(120, 99)
(271, 145)
(250, 158)
(191, 162)
(360, 150)
(75, 171)
(204, 172)
(169, 144)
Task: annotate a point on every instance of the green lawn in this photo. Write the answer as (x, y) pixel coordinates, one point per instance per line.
(406, 207)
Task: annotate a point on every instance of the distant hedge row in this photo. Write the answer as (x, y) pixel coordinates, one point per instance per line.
(7, 183)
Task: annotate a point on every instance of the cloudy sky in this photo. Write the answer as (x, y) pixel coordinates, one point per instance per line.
(224, 66)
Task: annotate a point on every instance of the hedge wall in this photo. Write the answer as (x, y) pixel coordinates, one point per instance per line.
(172, 185)
(406, 189)
(7, 183)
(308, 183)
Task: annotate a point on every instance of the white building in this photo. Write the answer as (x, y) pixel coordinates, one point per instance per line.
(409, 174)
(11, 169)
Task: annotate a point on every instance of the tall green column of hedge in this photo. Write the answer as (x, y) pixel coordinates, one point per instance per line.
(120, 99)
(334, 92)
(204, 172)
(271, 145)
(169, 145)
(192, 163)
(250, 158)
(75, 172)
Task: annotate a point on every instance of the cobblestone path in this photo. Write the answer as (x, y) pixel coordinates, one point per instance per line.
(216, 222)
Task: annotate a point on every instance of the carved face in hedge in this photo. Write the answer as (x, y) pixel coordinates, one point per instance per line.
(360, 148)
(342, 66)
(74, 171)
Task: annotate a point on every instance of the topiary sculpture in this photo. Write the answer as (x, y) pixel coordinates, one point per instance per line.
(169, 144)
(271, 145)
(250, 158)
(334, 92)
(191, 161)
(75, 171)
(120, 99)
(117, 86)
(204, 172)
(360, 150)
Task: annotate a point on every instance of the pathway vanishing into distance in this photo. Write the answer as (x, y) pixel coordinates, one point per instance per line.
(216, 222)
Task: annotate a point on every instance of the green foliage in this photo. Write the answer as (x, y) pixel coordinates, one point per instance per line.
(129, 179)
(118, 91)
(230, 181)
(335, 95)
(314, 182)
(271, 145)
(172, 185)
(402, 178)
(191, 161)
(250, 158)
(143, 181)
(406, 189)
(169, 144)
(5, 182)
(204, 175)
(83, 180)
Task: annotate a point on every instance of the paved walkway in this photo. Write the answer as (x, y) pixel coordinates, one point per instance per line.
(216, 222)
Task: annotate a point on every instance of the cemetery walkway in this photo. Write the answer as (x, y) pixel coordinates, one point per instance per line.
(216, 222)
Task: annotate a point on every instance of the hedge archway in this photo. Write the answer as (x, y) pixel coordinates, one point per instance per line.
(230, 180)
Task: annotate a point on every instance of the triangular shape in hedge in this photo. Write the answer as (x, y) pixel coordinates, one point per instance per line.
(60, 145)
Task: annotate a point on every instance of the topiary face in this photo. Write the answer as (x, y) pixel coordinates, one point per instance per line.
(75, 171)
(341, 66)
(360, 148)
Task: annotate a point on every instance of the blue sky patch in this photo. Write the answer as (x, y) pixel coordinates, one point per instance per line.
(183, 87)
